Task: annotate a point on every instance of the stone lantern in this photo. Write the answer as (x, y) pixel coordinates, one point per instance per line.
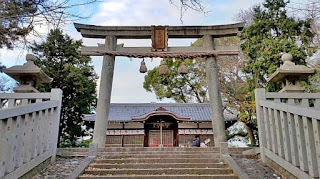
(290, 75)
(27, 75)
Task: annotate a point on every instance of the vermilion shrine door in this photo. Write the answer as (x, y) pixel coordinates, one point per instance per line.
(155, 138)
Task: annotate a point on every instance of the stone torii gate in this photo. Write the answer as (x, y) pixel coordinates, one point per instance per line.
(159, 36)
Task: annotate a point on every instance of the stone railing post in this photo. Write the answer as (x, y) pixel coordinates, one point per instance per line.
(260, 94)
(56, 95)
(224, 149)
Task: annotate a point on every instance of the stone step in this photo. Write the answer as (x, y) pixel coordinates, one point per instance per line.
(73, 152)
(159, 160)
(162, 163)
(160, 171)
(158, 165)
(160, 176)
(164, 152)
(159, 155)
(247, 156)
(130, 149)
(239, 150)
(149, 149)
(73, 149)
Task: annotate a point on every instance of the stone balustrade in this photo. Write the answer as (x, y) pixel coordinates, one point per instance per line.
(289, 126)
(29, 125)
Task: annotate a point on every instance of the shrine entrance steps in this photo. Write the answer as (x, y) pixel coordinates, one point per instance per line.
(144, 163)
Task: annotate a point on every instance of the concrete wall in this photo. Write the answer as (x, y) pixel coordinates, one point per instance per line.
(115, 126)
(185, 125)
(205, 125)
(133, 125)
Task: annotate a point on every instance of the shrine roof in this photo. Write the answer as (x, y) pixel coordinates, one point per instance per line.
(125, 112)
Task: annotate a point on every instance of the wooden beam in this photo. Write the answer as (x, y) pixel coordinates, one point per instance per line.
(144, 32)
(98, 51)
(140, 54)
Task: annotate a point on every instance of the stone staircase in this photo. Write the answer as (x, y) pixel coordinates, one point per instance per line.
(186, 163)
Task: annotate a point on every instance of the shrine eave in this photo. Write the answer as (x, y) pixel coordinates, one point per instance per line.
(144, 32)
(159, 113)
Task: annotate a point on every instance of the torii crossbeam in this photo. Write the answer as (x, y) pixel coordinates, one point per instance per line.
(159, 48)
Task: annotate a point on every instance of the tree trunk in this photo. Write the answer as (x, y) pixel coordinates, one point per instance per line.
(250, 133)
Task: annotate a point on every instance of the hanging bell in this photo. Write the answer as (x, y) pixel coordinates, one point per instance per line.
(163, 69)
(183, 68)
(143, 67)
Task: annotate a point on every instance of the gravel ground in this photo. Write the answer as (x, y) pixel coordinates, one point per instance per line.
(60, 169)
(65, 165)
(256, 169)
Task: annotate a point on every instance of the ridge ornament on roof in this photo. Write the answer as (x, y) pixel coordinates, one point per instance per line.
(160, 111)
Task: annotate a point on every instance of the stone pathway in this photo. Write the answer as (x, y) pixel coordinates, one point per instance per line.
(256, 169)
(60, 169)
(65, 165)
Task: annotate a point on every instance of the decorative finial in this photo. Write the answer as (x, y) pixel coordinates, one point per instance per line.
(31, 57)
(286, 57)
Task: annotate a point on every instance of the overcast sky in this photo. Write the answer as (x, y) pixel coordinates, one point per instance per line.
(127, 81)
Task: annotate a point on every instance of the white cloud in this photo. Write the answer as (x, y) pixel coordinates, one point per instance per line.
(109, 7)
(127, 83)
(12, 57)
(140, 12)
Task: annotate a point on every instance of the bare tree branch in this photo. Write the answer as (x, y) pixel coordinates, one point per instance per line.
(18, 18)
(184, 5)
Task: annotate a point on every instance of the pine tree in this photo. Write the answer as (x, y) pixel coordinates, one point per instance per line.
(18, 18)
(191, 87)
(271, 33)
(71, 72)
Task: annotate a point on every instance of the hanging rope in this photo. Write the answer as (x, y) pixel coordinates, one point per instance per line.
(181, 55)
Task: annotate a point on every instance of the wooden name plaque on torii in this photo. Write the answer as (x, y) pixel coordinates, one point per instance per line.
(159, 38)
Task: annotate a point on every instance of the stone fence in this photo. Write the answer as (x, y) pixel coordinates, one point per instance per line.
(289, 126)
(29, 125)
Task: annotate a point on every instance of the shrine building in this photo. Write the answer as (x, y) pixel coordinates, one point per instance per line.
(159, 124)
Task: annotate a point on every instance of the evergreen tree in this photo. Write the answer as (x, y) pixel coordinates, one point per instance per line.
(71, 72)
(271, 33)
(191, 87)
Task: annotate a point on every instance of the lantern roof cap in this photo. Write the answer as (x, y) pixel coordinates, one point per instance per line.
(28, 70)
(289, 68)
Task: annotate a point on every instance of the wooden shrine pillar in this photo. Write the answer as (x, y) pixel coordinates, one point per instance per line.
(103, 107)
(212, 73)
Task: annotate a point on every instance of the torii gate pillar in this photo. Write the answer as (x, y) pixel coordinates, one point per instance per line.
(111, 33)
(212, 73)
(103, 107)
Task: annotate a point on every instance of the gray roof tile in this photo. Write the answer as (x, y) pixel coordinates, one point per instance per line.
(124, 112)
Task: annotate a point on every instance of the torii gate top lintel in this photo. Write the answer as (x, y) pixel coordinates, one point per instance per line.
(144, 32)
(159, 39)
(159, 36)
